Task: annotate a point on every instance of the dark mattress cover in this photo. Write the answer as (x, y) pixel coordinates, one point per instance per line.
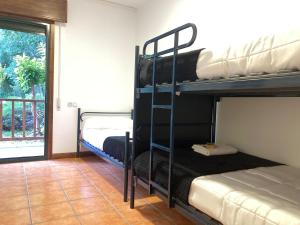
(189, 165)
(186, 64)
(115, 147)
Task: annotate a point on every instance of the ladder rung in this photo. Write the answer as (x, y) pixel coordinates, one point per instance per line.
(159, 188)
(162, 107)
(161, 147)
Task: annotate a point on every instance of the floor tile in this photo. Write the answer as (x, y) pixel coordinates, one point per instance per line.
(14, 190)
(171, 214)
(74, 183)
(107, 187)
(38, 170)
(61, 168)
(49, 176)
(65, 191)
(47, 198)
(51, 212)
(139, 214)
(13, 203)
(89, 205)
(15, 217)
(81, 192)
(68, 174)
(9, 173)
(155, 222)
(98, 218)
(41, 179)
(117, 198)
(64, 221)
(8, 182)
(36, 188)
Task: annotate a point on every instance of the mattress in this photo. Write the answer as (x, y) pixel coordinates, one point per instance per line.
(115, 147)
(188, 165)
(266, 55)
(185, 68)
(96, 129)
(269, 196)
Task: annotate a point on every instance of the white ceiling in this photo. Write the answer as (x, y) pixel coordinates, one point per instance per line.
(131, 3)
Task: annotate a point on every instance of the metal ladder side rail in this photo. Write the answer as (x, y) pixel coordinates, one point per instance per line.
(171, 107)
(153, 145)
(172, 122)
(152, 116)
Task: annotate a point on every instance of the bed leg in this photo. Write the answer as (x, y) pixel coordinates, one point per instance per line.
(133, 178)
(126, 167)
(132, 191)
(136, 85)
(78, 132)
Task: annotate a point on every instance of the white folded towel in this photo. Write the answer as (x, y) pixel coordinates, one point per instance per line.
(212, 149)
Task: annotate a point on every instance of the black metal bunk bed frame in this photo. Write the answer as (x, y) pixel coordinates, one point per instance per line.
(272, 85)
(125, 165)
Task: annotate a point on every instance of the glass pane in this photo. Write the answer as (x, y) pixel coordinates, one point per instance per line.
(7, 107)
(22, 74)
(18, 119)
(29, 120)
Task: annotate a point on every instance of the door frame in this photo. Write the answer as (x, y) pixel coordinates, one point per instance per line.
(48, 135)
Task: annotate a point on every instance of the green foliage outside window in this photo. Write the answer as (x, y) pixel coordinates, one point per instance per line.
(6, 82)
(29, 72)
(22, 74)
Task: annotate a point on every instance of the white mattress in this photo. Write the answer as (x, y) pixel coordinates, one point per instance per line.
(269, 54)
(261, 196)
(96, 129)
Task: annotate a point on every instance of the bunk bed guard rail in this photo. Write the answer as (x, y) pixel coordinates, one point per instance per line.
(174, 32)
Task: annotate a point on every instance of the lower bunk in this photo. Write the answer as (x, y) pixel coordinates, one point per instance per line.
(227, 189)
(107, 137)
(264, 195)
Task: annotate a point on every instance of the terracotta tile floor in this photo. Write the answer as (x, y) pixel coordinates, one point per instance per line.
(84, 191)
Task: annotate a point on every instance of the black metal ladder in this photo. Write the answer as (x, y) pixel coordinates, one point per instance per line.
(169, 107)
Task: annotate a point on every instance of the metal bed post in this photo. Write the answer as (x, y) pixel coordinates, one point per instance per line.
(136, 85)
(152, 115)
(78, 131)
(126, 167)
(214, 119)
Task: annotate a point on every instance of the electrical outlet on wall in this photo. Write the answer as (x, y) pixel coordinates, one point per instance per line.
(72, 104)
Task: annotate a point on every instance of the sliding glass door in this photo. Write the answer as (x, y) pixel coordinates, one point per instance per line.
(23, 90)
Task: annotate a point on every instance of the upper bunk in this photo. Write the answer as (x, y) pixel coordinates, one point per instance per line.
(268, 66)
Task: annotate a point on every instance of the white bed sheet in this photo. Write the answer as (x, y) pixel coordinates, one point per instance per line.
(269, 54)
(96, 129)
(261, 196)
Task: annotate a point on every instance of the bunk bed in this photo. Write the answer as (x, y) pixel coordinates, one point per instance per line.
(107, 134)
(171, 113)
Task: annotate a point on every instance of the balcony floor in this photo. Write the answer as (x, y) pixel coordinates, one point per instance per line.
(16, 149)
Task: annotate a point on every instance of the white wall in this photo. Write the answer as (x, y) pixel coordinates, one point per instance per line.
(219, 22)
(97, 60)
(265, 127)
